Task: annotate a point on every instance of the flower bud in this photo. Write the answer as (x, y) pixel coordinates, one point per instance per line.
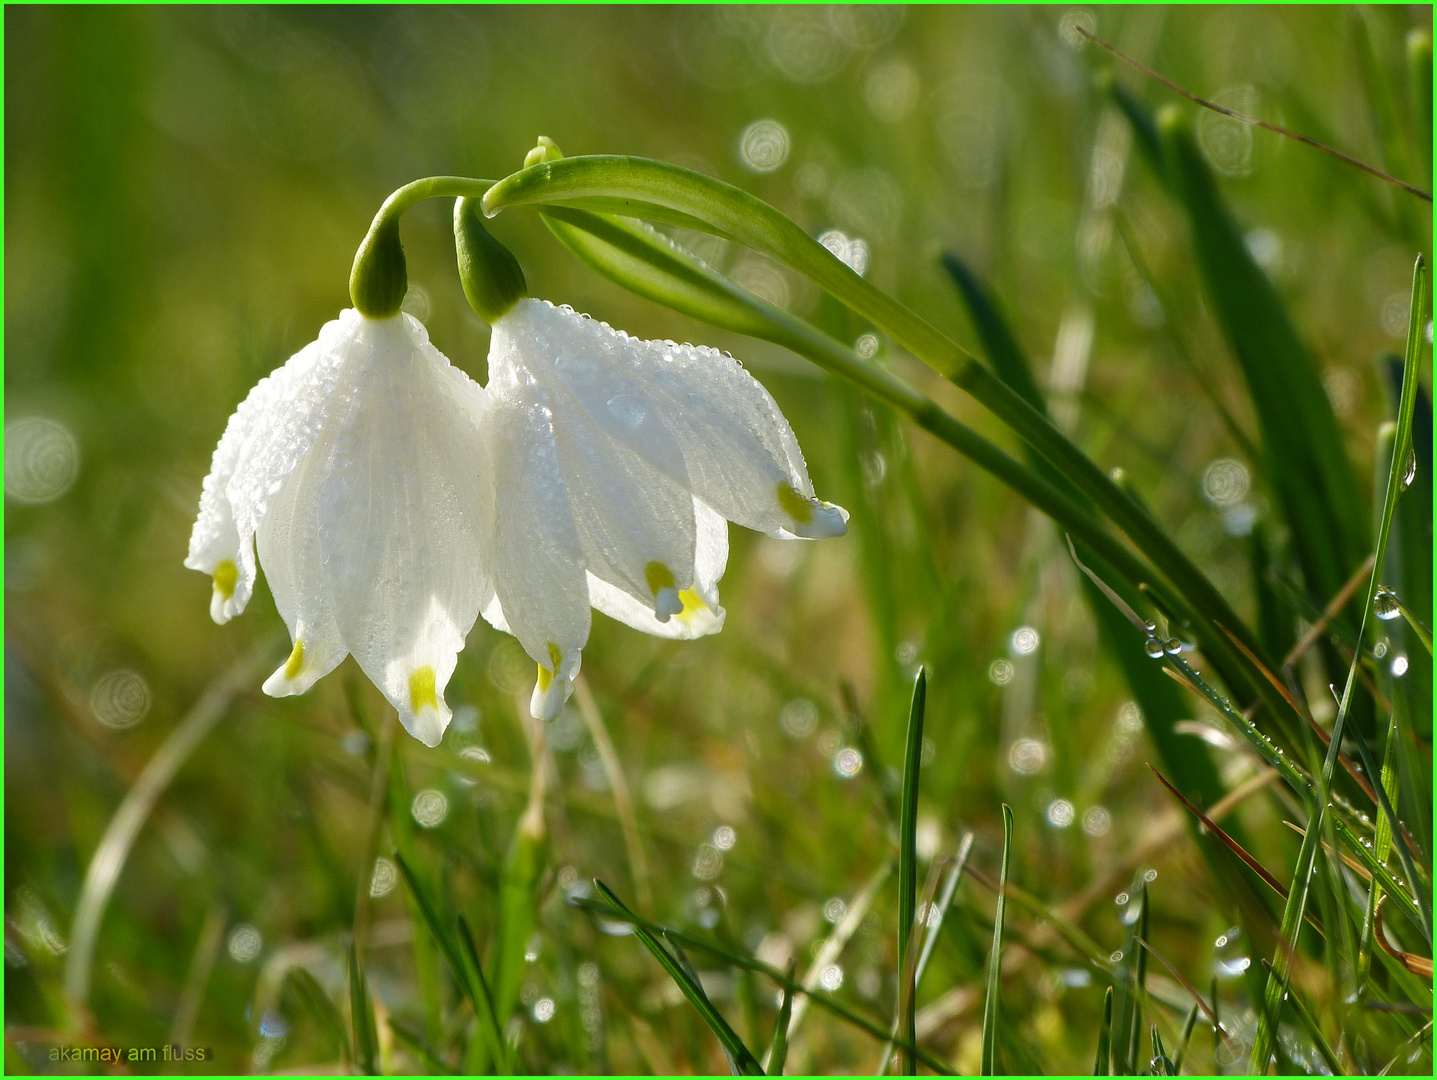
(489, 272)
(379, 279)
(547, 150)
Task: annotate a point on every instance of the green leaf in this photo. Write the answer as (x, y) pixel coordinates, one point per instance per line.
(1304, 458)
(361, 1014)
(989, 1065)
(690, 987)
(1102, 1064)
(908, 864)
(1127, 1031)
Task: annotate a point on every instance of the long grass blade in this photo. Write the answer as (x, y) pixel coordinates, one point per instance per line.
(1186, 1038)
(1102, 1065)
(688, 985)
(464, 971)
(778, 1046)
(1304, 460)
(480, 996)
(991, 1011)
(908, 864)
(361, 1015)
(1292, 915)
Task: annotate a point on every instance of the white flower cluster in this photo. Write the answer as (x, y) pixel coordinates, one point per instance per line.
(392, 500)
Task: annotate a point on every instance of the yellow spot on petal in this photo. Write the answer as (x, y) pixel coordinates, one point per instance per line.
(421, 689)
(225, 576)
(295, 664)
(693, 604)
(794, 504)
(546, 674)
(659, 577)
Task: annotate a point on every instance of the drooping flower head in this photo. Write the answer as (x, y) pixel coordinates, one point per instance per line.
(389, 499)
(356, 469)
(617, 465)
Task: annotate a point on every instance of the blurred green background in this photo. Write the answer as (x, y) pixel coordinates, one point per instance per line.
(184, 191)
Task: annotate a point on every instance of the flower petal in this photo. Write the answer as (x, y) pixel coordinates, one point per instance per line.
(538, 559)
(399, 483)
(292, 556)
(691, 412)
(699, 612)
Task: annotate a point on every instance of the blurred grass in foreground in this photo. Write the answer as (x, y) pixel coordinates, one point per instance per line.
(184, 192)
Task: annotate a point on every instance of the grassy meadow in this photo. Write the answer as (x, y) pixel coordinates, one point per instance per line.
(1218, 318)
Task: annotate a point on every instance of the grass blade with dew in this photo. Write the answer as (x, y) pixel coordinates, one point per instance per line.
(734, 213)
(1314, 1032)
(778, 1047)
(1188, 1025)
(989, 1065)
(908, 864)
(819, 997)
(1102, 1064)
(1161, 1064)
(744, 1061)
(361, 1014)
(311, 996)
(1301, 880)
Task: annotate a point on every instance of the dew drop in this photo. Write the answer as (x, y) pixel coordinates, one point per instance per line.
(1409, 471)
(1154, 648)
(1385, 605)
(1150, 627)
(1172, 646)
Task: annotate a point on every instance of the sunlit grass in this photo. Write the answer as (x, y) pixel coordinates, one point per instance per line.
(297, 884)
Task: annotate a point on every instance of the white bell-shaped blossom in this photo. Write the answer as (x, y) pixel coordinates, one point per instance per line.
(358, 470)
(617, 464)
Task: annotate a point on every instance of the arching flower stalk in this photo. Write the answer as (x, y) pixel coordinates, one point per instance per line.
(391, 500)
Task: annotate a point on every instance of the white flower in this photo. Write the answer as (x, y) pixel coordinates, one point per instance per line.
(358, 469)
(617, 464)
